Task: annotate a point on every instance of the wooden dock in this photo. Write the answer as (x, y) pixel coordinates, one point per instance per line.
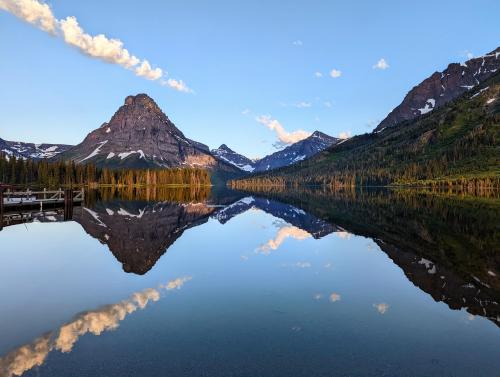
(14, 201)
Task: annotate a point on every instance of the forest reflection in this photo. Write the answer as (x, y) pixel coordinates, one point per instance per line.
(446, 242)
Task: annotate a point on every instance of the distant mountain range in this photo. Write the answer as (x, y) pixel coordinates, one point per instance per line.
(31, 150)
(443, 87)
(296, 152)
(140, 135)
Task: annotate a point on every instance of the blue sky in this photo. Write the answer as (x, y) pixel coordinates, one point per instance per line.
(243, 60)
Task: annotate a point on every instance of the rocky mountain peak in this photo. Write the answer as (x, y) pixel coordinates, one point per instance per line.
(224, 147)
(142, 106)
(443, 87)
(140, 135)
(140, 99)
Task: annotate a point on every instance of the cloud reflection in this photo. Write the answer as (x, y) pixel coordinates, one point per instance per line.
(334, 297)
(288, 231)
(382, 308)
(106, 318)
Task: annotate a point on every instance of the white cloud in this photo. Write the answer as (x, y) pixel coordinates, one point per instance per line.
(302, 104)
(335, 73)
(381, 64)
(147, 72)
(468, 54)
(328, 104)
(303, 264)
(32, 11)
(345, 135)
(109, 50)
(284, 136)
(297, 42)
(246, 112)
(318, 74)
(178, 85)
(101, 47)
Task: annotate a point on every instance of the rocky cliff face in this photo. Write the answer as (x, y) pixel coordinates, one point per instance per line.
(442, 87)
(140, 135)
(33, 151)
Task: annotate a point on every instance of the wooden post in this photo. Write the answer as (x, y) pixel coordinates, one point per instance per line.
(68, 204)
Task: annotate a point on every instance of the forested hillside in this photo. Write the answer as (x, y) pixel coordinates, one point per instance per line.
(456, 144)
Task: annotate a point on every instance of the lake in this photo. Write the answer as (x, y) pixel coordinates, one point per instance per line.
(200, 282)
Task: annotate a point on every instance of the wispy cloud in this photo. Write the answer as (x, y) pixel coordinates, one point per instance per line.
(345, 135)
(298, 42)
(178, 85)
(245, 112)
(284, 136)
(298, 105)
(303, 265)
(318, 74)
(302, 105)
(101, 47)
(32, 11)
(335, 73)
(328, 104)
(468, 54)
(381, 64)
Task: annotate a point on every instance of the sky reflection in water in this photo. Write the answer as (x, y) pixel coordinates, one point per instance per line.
(278, 288)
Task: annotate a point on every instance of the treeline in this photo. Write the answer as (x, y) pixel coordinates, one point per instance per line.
(18, 171)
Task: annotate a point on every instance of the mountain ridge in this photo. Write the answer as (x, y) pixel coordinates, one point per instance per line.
(25, 150)
(301, 150)
(443, 87)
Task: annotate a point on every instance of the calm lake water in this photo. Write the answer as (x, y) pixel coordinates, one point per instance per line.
(307, 283)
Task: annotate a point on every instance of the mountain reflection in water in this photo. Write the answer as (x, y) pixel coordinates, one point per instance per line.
(446, 245)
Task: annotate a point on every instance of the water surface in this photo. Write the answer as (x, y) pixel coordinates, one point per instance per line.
(298, 283)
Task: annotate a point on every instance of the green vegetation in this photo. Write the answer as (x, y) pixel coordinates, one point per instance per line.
(455, 145)
(53, 174)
